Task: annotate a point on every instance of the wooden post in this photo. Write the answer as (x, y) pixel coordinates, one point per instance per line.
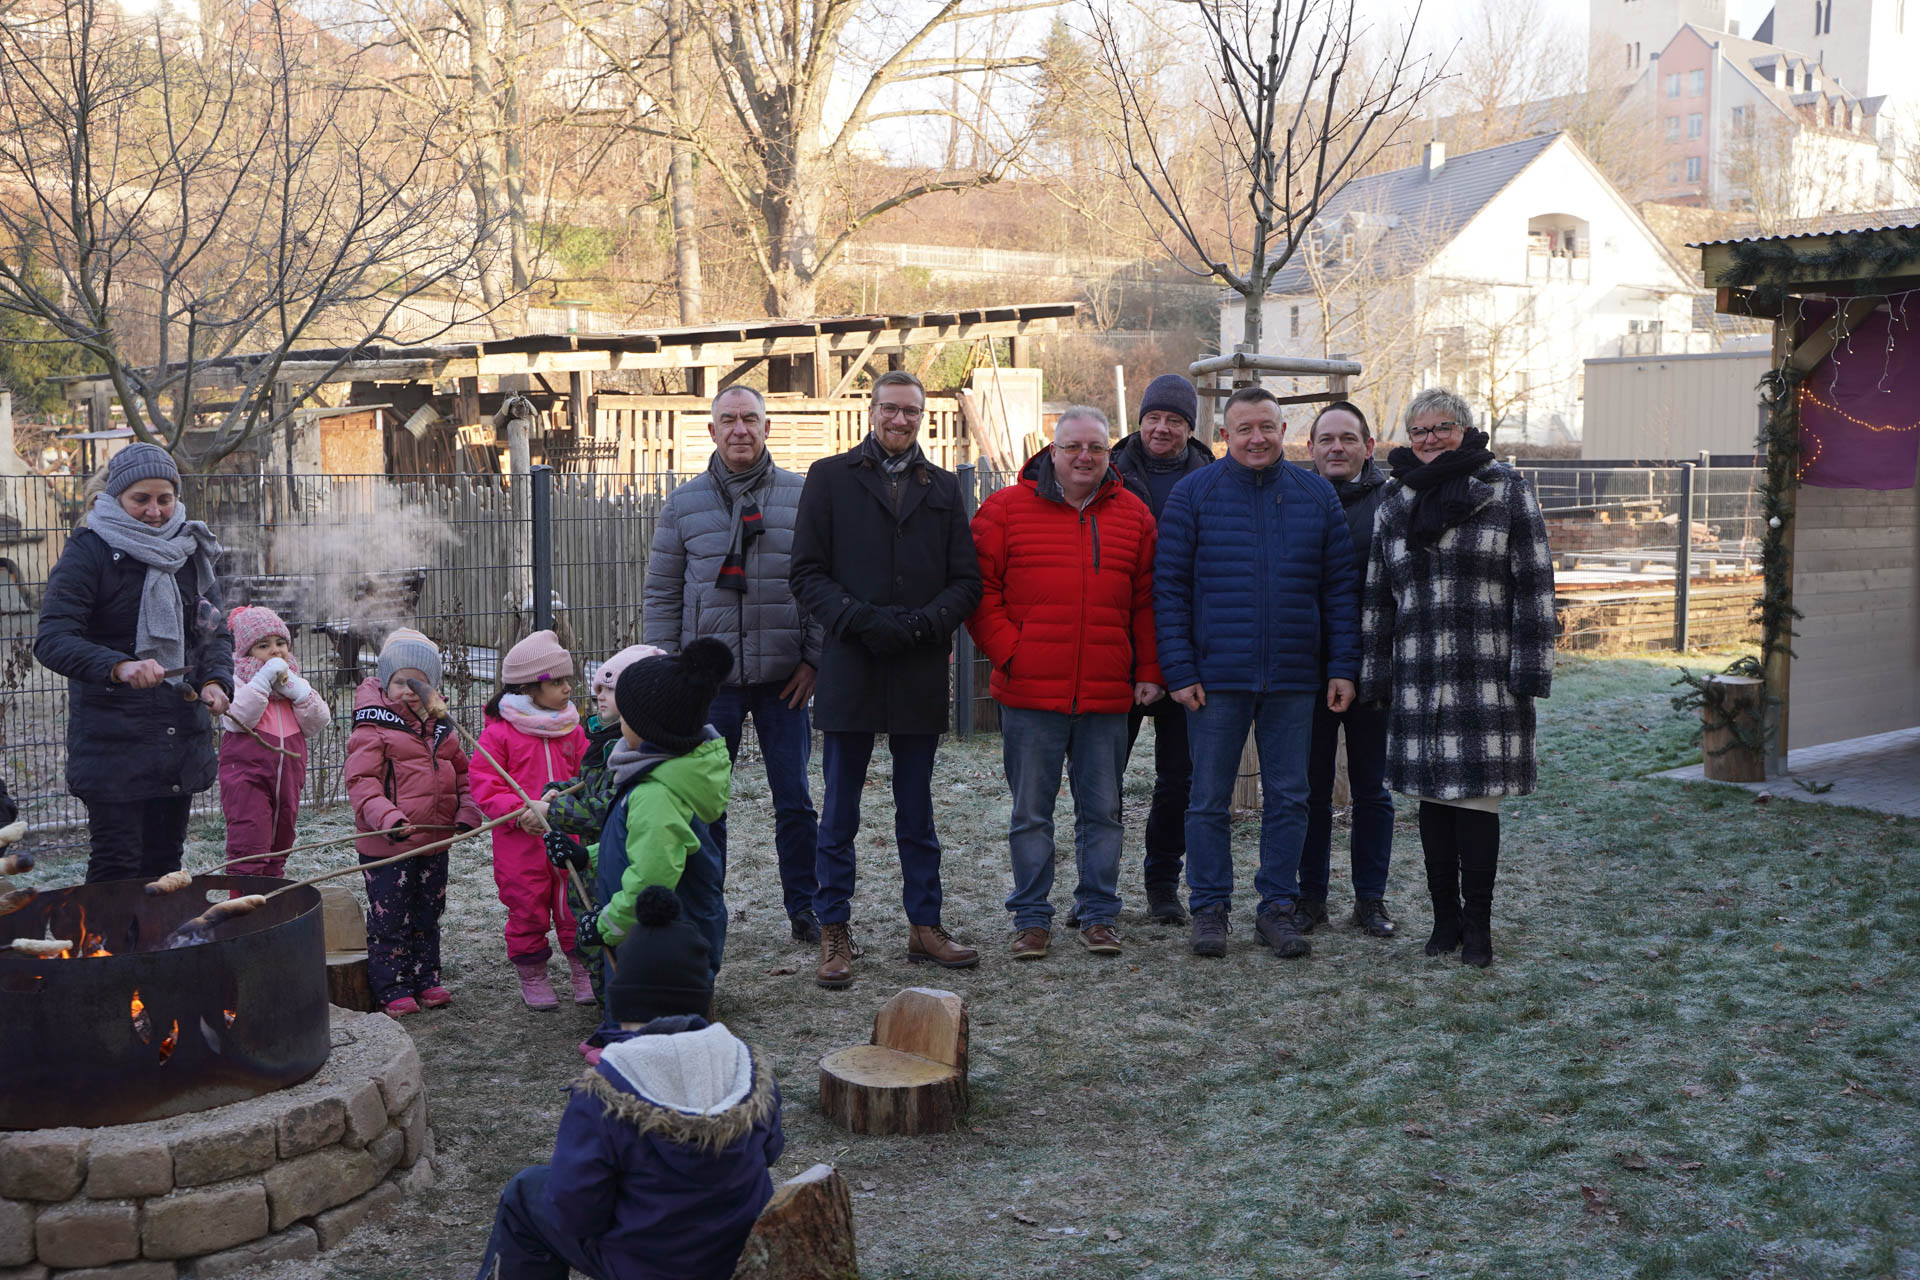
(1731, 717)
(579, 388)
(823, 379)
(1020, 351)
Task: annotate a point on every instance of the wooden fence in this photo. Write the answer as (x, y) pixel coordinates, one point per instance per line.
(655, 434)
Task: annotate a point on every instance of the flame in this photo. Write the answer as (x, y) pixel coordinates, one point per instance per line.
(173, 1038)
(229, 1013)
(88, 944)
(142, 1025)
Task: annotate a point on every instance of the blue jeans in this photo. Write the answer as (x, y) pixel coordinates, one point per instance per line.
(1371, 841)
(1034, 744)
(1282, 725)
(843, 762)
(786, 741)
(526, 1243)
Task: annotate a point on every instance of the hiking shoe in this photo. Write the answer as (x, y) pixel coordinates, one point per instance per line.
(806, 927)
(1310, 912)
(836, 957)
(1100, 939)
(1210, 929)
(1280, 928)
(1371, 918)
(1163, 904)
(1030, 944)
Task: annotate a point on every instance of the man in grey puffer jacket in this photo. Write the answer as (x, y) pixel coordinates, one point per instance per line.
(719, 569)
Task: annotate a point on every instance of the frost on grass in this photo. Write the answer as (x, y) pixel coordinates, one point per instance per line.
(1693, 1056)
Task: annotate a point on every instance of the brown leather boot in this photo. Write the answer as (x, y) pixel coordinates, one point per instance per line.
(930, 943)
(836, 957)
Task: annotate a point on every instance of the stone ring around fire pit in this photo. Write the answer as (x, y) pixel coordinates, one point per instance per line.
(273, 1178)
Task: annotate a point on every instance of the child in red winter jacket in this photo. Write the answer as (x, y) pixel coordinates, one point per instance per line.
(534, 733)
(405, 771)
(263, 753)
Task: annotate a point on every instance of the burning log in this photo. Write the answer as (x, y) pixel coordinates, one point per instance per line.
(14, 833)
(45, 947)
(16, 899)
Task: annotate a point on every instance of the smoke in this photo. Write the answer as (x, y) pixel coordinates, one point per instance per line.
(357, 558)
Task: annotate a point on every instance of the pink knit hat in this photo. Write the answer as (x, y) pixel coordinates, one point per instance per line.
(609, 671)
(539, 657)
(250, 625)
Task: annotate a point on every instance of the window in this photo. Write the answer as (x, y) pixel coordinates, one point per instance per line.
(1696, 83)
(1673, 128)
(1694, 125)
(1673, 85)
(1693, 168)
(1293, 322)
(1629, 55)
(1673, 172)
(1739, 115)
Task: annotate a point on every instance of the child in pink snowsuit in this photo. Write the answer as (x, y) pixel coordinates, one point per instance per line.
(263, 753)
(534, 733)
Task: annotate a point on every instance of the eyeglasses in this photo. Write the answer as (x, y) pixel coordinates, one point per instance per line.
(910, 412)
(1076, 449)
(1437, 429)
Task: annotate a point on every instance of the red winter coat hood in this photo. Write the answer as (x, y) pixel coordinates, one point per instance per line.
(400, 769)
(1066, 610)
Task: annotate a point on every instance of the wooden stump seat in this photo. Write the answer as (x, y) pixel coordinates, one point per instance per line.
(345, 923)
(911, 1078)
(804, 1233)
(1731, 719)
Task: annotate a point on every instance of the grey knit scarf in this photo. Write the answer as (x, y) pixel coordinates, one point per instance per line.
(161, 633)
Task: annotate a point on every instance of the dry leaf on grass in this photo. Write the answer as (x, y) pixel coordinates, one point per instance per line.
(1024, 1220)
(1631, 1160)
(1855, 1088)
(782, 971)
(1113, 1233)
(1415, 1130)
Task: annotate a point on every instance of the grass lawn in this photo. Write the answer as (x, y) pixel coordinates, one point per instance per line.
(1695, 1055)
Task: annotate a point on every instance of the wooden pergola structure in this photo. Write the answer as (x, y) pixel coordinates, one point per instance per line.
(429, 405)
(1843, 563)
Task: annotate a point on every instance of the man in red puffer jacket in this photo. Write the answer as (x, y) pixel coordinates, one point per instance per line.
(1066, 615)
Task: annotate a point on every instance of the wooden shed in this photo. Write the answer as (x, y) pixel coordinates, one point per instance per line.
(1841, 605)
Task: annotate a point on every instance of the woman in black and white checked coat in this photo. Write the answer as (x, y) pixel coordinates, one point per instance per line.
(1457, 636)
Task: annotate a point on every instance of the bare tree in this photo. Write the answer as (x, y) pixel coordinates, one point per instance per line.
(1294, 109)
(767, 128)
(169, 205)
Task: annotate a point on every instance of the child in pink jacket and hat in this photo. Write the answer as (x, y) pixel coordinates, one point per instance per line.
(533, 732)
(263, 753)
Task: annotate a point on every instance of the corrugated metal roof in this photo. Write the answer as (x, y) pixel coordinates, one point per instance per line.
(1423, 211)
(1831, 225)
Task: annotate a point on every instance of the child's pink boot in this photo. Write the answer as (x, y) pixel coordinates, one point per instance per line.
(436, 997)
(402, 1007)
(534, 987)
(582, 980)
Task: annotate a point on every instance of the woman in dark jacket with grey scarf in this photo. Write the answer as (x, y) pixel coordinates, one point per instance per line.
(132, 618)
(1457, 634)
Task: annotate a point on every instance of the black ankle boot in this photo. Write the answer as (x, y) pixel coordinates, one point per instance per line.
(1476, 939)
(1479, 865)
(1443, 876)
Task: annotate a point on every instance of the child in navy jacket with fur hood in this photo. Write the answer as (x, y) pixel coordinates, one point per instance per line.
(660, 1167)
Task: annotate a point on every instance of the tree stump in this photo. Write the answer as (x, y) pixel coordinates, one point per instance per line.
(804, 1233)
(347, 984)
(1731, 715)
(912, 1077)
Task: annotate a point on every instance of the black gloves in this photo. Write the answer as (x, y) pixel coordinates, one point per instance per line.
(586, 930)
(564, 851)
(885, 630)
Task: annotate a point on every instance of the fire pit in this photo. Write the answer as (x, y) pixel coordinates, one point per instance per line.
(195, 1111)
(126, 1032)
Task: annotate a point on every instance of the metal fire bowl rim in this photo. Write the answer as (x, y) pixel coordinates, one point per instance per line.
(177, 907)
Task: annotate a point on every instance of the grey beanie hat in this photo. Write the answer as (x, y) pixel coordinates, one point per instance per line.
(1174, 394)
(406, 649)
(139, 462)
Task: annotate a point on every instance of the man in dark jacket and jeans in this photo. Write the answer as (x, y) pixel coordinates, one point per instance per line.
(883, 558)
(1151, 461)
(1342, 447)
(1246, 616)
(721, 554)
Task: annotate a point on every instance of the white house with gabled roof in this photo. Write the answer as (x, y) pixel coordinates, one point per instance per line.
(1496, 273)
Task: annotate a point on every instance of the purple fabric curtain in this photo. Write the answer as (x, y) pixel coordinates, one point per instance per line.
(1860, 407)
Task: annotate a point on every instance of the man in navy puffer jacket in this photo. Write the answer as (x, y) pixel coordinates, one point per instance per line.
(1244, 612)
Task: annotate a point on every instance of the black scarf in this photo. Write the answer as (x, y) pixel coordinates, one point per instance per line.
(1440, 498)
(736, 490)
(1356, 489)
